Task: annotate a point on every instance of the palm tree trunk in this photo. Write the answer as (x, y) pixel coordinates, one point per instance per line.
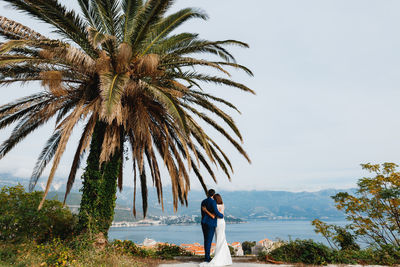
(99, 189)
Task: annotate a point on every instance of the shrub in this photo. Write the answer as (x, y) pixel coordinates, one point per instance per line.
(302, 251)
(247, 245)
(162, 251)
(20, 219)
(166, 251)
(55, 253)
(386, 255)
(231, 250)
(130, 248)
(309, 252)
(8, 253)
(74, 253)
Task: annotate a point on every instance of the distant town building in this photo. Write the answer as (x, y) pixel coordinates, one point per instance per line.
(195, 248)
(262, 245)
(198, 249)
(265, 245)
(149, 243)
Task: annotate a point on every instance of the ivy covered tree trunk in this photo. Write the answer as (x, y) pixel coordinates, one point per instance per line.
(99, 187)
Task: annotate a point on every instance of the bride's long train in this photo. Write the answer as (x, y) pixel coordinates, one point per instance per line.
(222, 255)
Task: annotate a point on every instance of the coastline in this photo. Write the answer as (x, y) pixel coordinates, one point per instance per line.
(141, 223)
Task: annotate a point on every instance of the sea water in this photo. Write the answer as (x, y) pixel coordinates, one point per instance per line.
(250, 231)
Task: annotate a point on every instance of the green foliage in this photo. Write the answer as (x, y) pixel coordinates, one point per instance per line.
(162, 251)
(20, 219)
(247, 245)
(309, 252)
(77, 252)
(8, 253)
(128, 247)
(373, 212)
(345, 239)
(387, 255)
(231, 250)
(337, 236)
(55, 253)
(167, 251)
(302, 251)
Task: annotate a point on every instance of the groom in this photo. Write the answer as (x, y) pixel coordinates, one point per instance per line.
(208, 224)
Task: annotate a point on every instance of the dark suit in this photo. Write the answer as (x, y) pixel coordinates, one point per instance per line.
(208, 224)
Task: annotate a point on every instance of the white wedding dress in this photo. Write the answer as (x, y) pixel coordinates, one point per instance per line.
(222, 255)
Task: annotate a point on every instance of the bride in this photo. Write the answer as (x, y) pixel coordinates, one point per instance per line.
(222, 255)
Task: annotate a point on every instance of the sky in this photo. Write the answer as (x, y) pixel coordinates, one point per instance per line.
(326, 76)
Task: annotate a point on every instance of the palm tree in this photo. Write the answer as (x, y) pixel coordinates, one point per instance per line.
(121, 73)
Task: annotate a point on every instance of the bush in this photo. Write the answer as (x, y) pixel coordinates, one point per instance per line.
(247, 245)
(168, 252)
(55, 253)
(231, 250)
(309, 252)
(302, 251)
(76, 252)
(128, 247)
(387, 255)
(20, 219)
(162, 251)
(8, 253)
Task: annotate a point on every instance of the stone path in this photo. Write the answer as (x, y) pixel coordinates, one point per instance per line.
(245, 264)
(235, 264)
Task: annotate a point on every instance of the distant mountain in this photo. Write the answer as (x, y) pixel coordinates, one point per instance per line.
(267, 205)
(271, 205)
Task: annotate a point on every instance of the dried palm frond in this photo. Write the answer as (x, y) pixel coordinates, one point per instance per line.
(124, 57)
(52, 80)
(15, 30)
(147, 65)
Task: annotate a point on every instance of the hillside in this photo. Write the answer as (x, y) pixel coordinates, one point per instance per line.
(268, 205)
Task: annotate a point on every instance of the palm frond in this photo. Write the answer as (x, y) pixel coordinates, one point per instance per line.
(109, 13)
(168, 24)
(211, 79)
(15, 113)
(66, 129)
(221, 130)
(150, 14)
(45, 157)
(112, 86)
(211, 107)
(217, 99)
(130, 9)
(24, 128)
(12, 29)
(174, 110)
(66, 21)
(173, 42)
(82, 146)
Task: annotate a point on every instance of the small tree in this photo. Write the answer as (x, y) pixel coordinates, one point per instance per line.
(373, 211)
(337, 236)
(247, 245)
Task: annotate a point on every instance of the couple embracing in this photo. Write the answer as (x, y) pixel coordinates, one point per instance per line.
(212, 221)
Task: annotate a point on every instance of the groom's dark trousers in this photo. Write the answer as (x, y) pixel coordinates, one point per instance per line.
(208, 233)
(208, 224)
